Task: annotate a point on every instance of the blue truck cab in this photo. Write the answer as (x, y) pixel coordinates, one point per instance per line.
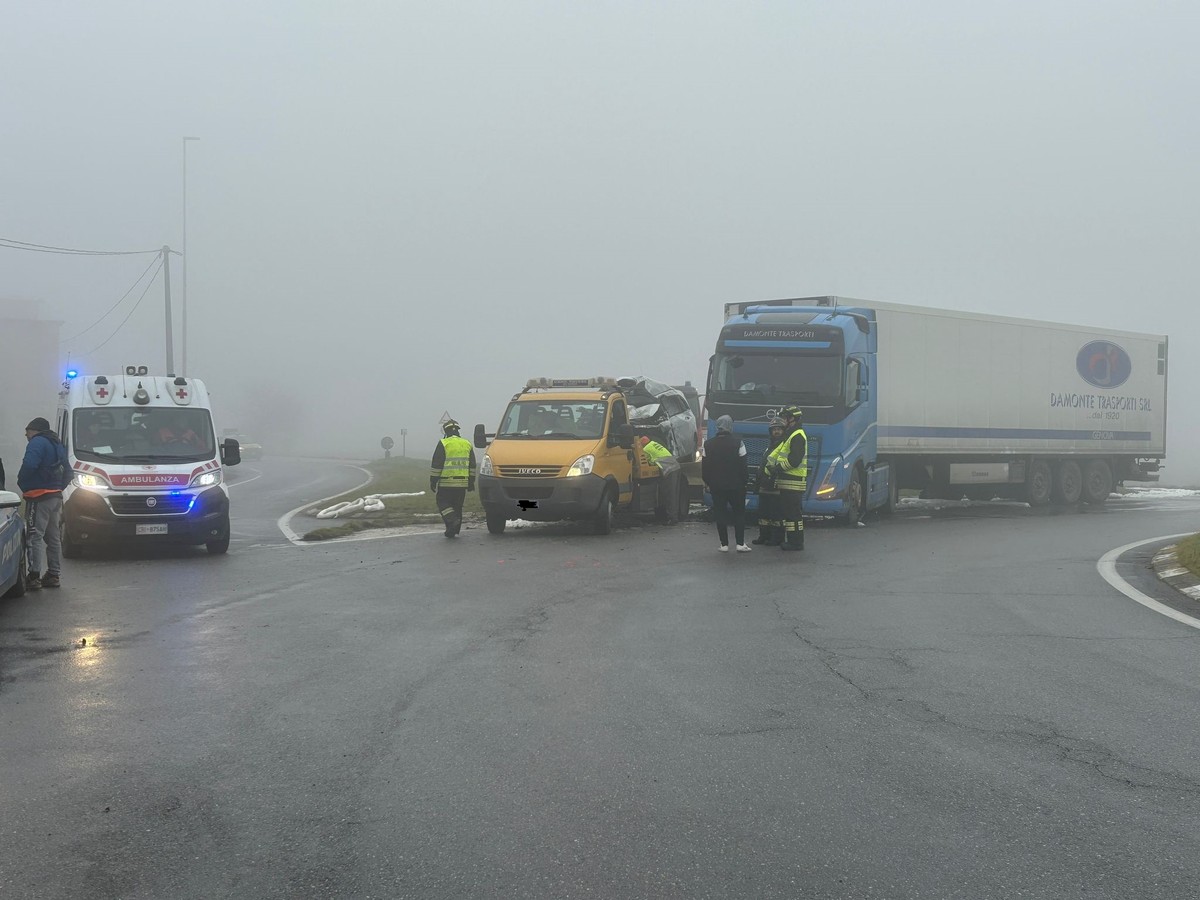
(820, 355)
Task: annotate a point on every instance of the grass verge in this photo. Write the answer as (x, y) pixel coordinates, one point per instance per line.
(388, 476)
(1187, 552)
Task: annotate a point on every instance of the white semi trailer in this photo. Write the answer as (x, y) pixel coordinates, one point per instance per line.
(951, 403)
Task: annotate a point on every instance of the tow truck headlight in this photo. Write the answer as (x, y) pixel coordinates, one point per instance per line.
(207, 479)
(582, 466)
(91, 482)
(828, 486)
(485, 467)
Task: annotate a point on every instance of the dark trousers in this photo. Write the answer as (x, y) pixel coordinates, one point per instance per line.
(668, 496)
(770, 527)
(729, 507)
(450, 504)
(791, 512)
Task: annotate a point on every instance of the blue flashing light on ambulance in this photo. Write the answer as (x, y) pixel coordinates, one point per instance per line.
(950, 404)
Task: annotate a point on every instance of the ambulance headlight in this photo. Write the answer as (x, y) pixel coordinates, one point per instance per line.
(91, 482)
(207, 479)
(582, 466)
(485, 467)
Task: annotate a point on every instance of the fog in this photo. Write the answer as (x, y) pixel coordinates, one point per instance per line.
(400, 209)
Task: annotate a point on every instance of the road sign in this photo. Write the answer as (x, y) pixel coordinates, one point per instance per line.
(387, 443)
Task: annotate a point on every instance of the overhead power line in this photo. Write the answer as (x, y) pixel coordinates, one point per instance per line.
(132, 311)
(13, 244)
(115, 305)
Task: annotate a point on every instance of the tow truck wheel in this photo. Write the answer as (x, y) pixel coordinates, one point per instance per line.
(220, 545)
(604, 517)
(685, 500)
(70, 547)
(496, 522)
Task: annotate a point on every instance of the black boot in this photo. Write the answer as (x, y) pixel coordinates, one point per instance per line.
(793, 540)
(774, 536)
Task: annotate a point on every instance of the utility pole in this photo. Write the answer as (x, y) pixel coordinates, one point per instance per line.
(185, 259)
(166, 253)
(404, 442)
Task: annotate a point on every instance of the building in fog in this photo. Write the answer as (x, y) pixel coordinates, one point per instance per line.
(30, 373)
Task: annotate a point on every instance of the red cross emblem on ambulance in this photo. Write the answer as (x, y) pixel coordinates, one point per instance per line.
(181, 394)
(102, 393)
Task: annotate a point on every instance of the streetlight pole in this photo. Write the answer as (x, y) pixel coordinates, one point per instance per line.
(185, 258)
(166, 255)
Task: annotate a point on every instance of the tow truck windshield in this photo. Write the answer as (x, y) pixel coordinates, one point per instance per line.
(551, 420)
(141, 436)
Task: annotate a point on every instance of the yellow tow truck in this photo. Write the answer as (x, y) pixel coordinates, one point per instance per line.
(565, 451)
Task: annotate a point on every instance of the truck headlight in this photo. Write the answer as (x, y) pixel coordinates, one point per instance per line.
(207, 479)
(582, 466)
(91, 482)
(485, 467)
(828, 486)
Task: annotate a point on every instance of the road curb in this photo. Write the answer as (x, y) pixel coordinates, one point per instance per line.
(1170, 572)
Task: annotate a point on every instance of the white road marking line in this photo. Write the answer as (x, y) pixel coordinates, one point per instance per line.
(285, 520)
(1107, 567)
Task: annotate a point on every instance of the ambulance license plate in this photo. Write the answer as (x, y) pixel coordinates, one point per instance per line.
(151, 529)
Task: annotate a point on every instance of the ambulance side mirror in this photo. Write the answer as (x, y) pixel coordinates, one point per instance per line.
(231, 452)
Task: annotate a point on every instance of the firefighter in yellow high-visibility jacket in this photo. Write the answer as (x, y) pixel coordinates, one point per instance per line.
(788, 465)
(451, 475)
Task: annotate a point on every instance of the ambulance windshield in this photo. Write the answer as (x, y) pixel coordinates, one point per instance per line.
(139, 435)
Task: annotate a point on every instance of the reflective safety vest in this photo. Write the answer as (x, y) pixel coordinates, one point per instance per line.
(788, 478)
(660, 456)
(456, 470)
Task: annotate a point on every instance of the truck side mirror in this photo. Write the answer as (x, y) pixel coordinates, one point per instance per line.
(231, 452)
(481, 438)
(862, 394)
(621, 436)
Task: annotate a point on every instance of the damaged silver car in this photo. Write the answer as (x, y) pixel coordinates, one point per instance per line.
(652, 403)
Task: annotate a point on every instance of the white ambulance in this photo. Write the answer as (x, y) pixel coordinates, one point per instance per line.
(147, 463)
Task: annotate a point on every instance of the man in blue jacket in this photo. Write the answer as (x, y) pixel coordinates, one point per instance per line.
(45, 471)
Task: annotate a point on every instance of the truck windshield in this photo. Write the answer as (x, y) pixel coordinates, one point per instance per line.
(808, 379)
(550, 420)
(140, 435)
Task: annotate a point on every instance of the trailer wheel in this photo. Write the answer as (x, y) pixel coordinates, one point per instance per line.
(856, 498)
(1040, 483)
(604, 517)
(496, 522)
(1068, 483)
(1097, 482)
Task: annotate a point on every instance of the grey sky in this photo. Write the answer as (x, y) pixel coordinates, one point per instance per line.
(401, 208)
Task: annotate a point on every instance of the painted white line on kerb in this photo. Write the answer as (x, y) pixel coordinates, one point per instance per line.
(1107, 567)
(286, 518)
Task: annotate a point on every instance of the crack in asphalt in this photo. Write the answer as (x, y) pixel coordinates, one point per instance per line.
(1099, 758)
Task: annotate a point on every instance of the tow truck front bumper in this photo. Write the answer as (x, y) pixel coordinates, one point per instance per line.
(542, 499)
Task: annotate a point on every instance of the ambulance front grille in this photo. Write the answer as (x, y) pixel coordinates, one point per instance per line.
(149, 504)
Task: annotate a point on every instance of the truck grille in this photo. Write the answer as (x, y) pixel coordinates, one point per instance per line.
(142, 505)
(547, 471)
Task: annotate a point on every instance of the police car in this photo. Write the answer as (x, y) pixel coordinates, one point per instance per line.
(13, 559)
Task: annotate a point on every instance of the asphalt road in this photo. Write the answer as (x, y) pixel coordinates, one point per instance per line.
(943, 704)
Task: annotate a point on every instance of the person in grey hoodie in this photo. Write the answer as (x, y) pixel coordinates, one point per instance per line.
(725, 475)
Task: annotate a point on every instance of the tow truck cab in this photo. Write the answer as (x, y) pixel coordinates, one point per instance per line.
(147, 463)
(565, 451)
